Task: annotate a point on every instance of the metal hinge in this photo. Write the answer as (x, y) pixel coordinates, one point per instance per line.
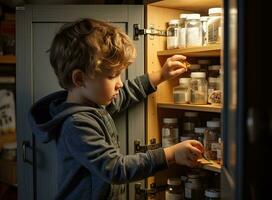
(141, 149)
(144, 193)
(151, 31)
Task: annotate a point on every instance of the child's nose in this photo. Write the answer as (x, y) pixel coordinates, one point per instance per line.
(119, 83)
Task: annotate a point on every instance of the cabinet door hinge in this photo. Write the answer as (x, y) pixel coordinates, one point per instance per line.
(151, 31)
(138, 148)
(144, 193)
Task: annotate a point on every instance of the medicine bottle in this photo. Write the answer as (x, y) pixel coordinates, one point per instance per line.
(212, 194)
(170, 132)
(181, 93)
(173, 34)
(198, 88)
(215, 25)
(211, 135)
(193, 31)
(174, 189)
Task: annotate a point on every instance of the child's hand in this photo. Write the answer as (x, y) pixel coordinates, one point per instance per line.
(173, 67)
(184, 153)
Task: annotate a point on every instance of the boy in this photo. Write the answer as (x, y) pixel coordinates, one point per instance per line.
(88, 57)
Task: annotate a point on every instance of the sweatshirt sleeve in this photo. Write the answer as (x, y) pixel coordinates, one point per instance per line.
(133, 91)
(88, 145)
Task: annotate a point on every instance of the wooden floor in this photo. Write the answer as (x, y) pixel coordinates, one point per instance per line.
(8, 192)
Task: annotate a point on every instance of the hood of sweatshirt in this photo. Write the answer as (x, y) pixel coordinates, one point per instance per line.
(47, 115)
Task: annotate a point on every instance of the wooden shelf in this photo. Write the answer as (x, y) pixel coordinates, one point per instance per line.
(209, 165)
(206, 51)
(192, 5)
(7, 59)
(203, 108)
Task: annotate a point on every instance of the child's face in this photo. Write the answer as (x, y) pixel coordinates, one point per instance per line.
(102, 90)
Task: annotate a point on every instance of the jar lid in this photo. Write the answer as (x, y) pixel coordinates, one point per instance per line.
(213, 193)
(190, 114)
(183, 16)
(173, 22)
(198, 75)
(184, 80)
(10, 146)
(215, 11)
(173, 181)
(200, 129)
(193, 16)
(213, 79)
(204, 62)
(214, 67)
(213, 124)
(204, 18)
(170, 120)
(194, 66)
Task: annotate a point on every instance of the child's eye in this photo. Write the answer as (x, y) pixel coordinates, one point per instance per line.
(113, 76)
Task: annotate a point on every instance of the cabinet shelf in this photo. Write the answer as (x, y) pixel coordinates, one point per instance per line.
(203, 108)
(213, 50)
(209, 165)
(8, 59)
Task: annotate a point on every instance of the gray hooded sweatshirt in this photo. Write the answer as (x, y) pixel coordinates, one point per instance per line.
(90, 165)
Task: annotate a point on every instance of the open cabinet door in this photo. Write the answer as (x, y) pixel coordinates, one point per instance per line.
(36, 26)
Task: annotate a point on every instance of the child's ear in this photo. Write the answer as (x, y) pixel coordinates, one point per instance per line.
(78, 78)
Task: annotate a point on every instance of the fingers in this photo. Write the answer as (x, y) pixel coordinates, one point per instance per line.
(177, 57)
(178, 72)
(197, 144)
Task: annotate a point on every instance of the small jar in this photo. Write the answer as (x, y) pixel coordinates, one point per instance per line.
(174, 189)
(181, 92)
(211, 135)
(182, 31)
(190, 121)
(199, 132)
(193, 31)
(215, 25)
(214, 71)
(173, 34)
(212, 194)
(199, 88)
(193, 187)
(204, 28)
(170, 132)
(204, 64)
(9, 151)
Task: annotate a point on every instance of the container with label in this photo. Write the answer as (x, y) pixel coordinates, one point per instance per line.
(193, 31)
(215, 25)
(9, 151)
(193, 187)
(211, 135)
(199, 132)
(174, 189)
(170, 132)
(212, 194)
(173, 34)
(182, 31)
(199, 88)
(204, 28)
(181, 92)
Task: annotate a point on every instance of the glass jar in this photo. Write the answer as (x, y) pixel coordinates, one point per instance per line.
(204, 64)
(182, 31)
(212, 194)
(193, 31)
(181, 92)
(204, 28)
(9, 151)
(213, 88)
(211, 135)
(173, 34)
(215, 25)
(170, 132)
(199, 132)
(220, 152)
(193, 187)
(190, 121)
(199, 88)
(214, 71)
(174, 189)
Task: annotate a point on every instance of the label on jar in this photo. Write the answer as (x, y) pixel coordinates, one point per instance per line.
(188, 193)
(182, 38)
(169, 136)
(172, 196)
(194, 37)
(215, 146)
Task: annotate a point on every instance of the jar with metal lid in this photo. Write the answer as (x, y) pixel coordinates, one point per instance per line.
(193, 31)
(182, 31)
(215, 25)
(212, 194)
(181, 92)
(170, 132)
(199, 132)
(211, 135)
(204, 28)
(173, 34)
(174, 189)
(193, 187)
(199, 88)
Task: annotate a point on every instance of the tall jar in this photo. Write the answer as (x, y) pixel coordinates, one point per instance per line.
(198, 87)
(182, 31)
(215, 25)
(204, 28)
(181, 92)
(199, 132)
(170, 132)
(174, 189)
(193, 31)
(173, 34)
(193, 187)
(211, 136)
